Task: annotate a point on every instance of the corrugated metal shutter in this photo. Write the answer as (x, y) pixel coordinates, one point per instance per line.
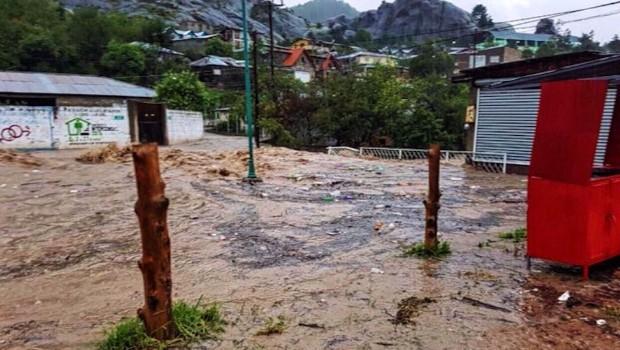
(507, 120)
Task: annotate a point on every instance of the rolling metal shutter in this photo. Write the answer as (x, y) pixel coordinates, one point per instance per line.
(506, 122)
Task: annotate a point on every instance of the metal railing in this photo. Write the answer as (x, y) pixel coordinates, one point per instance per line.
(486, 161)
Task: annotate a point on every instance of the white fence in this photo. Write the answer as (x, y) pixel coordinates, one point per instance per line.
(490, 162)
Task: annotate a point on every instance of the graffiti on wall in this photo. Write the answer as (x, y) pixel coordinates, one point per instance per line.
(13, 132)
(26, 127)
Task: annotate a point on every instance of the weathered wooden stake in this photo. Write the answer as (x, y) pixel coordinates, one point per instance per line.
(152, 210)
(432, 201)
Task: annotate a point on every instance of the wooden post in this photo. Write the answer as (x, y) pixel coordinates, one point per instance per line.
(152, 210)
(432, 201)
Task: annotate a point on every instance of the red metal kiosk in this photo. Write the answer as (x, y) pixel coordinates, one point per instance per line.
(573, 213)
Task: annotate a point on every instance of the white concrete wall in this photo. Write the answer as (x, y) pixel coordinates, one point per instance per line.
(82, 127)
(26, 127)
(184, 126)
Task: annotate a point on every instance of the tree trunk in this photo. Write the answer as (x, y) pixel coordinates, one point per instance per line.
(152, 209)
(432, 201)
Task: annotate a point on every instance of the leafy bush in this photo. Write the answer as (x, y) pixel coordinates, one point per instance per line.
(419, 250)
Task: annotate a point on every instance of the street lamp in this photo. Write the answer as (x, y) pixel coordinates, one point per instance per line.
(248, 97)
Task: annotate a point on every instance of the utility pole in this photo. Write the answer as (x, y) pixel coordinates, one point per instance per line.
(248, 96)
(431, 203)
(271, 54)
(255, 78)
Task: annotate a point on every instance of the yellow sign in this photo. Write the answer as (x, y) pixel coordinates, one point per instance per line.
(470, 116)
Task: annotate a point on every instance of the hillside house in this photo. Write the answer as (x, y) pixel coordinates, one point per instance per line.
(365, 60)
(188, 40)
(301, 64)
(469, 58)
(219, 72)
(516, 40)
(234, 36)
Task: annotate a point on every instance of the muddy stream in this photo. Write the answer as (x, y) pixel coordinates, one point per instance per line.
(318, 243)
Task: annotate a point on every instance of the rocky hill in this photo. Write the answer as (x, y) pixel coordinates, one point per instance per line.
(215, 13)
(317, 11)
(417, 19)
(414, 18)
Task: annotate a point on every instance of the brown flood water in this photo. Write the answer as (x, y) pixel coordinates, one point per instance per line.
(69, 244)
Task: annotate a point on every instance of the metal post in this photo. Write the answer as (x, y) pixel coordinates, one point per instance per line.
(255, 78)
(248, 95)
(400, 154)
(504, 165)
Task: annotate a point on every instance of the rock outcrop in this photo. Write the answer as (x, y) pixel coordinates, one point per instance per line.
(215, 13)
(417, 19)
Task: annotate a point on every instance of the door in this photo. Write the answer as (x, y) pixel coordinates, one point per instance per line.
(151, 123)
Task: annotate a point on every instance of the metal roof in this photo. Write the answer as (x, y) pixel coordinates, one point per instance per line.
(68, 84)
(212, 60)
(364, 53)
(604, 68)
(507, 35)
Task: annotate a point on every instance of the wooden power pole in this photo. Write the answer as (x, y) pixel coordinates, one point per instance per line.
(432, 201)
(255, 95)
(152, 210)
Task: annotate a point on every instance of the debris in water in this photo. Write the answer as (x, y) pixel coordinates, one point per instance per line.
(564, 297)
(409, 308)
(601, 323)
(7, 156)
(377, 271)
(109, 153)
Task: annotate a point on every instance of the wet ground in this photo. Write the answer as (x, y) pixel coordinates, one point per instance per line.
(317, 243)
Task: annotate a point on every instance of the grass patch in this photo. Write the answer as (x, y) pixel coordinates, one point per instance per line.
(419, 250)
(517, 236)
(613, 313)
(193, 323)
(273, 326)
(129, 334)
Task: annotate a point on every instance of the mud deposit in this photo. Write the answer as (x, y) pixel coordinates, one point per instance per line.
(317, 244)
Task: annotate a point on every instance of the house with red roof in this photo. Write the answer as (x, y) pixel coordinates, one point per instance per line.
(301, 64)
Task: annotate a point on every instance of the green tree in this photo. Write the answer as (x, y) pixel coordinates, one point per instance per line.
(614, 45)
(124, 61)
(547, 49)
(587, 43)
(481, 17)
(527, 53)
(431, 60)
(184, 91)
(218, 47)
(434, 114)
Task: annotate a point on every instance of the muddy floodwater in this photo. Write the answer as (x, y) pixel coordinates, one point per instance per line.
(318, 243)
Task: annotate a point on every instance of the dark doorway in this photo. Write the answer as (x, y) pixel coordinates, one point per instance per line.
(151, 122)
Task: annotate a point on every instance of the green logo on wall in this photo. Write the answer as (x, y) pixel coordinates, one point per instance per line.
(78, 127)
(119, 117)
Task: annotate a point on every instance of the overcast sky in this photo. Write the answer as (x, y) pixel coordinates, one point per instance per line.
(501, 10)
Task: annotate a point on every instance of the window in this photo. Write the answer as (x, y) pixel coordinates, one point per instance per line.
(217, 72)
(494, 59)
